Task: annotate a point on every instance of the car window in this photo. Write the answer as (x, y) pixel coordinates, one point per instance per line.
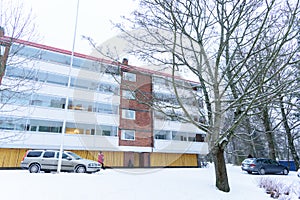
(34, 154)
(49, 154)
(268, 161)
(247, 161)
(64, 155)
(273, 162)
(261, 161)
(74, 155)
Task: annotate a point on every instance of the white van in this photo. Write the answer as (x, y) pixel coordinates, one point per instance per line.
(47, 161)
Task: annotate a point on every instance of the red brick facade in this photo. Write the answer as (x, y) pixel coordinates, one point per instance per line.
(143, 122)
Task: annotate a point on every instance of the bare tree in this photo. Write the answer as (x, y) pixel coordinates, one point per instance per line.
(16, 24)
(218, 42)
(288, 107)
(278, 111)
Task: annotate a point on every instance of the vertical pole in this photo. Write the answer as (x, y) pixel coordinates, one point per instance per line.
(67, 97)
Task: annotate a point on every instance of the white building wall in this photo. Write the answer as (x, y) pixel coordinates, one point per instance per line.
(90, 142)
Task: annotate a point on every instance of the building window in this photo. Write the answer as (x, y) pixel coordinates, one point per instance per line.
(91, 129)
(12, 97)
(41, 76)
(92, 106)
(161, 81)
(13, 123)
(129, 76)
(95, 86)
(162, 135)
(106, 130)
(127, 94)
(48, 101)
(128, 135)
(128, 114)
(45, 126)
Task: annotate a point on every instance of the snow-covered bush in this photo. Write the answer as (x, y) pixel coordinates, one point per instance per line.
(279, 189)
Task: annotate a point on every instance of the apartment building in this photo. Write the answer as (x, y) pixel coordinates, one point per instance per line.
(51, 97)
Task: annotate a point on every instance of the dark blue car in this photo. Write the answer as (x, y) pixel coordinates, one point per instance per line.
(263, 166)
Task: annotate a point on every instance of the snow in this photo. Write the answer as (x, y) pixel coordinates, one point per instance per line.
(141, 184)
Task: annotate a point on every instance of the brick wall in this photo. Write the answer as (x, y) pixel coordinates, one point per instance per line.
(143, 122)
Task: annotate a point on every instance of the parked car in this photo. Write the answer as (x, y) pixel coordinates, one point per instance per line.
(263, 166)
(47, 161)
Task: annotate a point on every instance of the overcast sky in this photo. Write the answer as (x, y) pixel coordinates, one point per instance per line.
(55, 21)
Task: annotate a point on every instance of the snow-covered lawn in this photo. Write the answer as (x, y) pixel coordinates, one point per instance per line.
(134, 184)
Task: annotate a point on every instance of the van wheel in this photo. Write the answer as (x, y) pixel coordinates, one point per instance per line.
(80, 169)
(34, 168)
(285, 172)
(262, 171)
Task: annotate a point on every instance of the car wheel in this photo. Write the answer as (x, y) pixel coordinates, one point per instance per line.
(262, 171)
(285, 172)
(34, 168)
(80, 169)
(249, 172)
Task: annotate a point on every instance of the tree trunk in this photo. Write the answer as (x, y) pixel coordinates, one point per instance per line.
(269, 133)
(235, 158)
(220, 169)
(289, 135)
(253, 147)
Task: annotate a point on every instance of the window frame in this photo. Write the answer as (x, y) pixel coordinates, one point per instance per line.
(129, 76)
(127, 114)
(127, 132)
(127, 94)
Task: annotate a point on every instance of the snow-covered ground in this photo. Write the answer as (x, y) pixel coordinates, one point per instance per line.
(134, 184)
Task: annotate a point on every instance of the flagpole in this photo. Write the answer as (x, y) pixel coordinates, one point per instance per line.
(67, 98)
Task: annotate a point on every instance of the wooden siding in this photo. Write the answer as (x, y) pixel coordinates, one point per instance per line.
(12, 158)
(111, 159)
(173, 160)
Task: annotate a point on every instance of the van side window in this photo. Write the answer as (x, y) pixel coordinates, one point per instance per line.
(49, 154)
(64, 156)
(34, 154)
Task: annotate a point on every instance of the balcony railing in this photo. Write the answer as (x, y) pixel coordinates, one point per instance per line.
(174, 146)
(34, 140)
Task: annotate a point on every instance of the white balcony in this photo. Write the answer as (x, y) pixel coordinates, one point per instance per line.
(175, 146)
(33, 140)
(54, 114)
(175, 126)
